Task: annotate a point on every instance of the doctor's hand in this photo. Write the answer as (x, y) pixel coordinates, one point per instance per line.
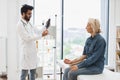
(74, 67)
(45, 33)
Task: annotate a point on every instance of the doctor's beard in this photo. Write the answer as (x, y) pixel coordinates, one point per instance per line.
(27, 18)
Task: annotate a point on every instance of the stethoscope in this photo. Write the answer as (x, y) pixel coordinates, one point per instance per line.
(25, 25)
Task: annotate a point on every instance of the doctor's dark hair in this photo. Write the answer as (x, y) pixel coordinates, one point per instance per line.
(25, 8)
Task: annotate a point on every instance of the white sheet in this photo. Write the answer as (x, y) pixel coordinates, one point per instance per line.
(106, 75)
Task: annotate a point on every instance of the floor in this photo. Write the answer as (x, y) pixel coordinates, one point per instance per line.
(46, 77)
(2, 79)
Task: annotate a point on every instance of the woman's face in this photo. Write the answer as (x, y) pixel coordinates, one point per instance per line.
(89, 28)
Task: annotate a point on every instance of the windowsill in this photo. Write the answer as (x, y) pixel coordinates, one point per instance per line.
(110, 68)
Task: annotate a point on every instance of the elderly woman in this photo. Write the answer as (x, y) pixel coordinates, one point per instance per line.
(92, 60)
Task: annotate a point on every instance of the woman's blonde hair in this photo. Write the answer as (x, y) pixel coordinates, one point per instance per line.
(95, 24)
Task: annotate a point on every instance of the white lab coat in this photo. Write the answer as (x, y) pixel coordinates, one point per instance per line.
(28, 35)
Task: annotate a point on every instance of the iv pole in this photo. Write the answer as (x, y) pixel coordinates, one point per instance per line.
(55, 49)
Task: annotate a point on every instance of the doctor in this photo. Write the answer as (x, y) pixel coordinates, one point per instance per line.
(28, 35)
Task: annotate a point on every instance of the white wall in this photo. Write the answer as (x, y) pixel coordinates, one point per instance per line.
(117, 12)
(13, 15)
(3, 18)
(3, 58)
(114, 20)
(3, 35)
(12, 19)
(9, 16)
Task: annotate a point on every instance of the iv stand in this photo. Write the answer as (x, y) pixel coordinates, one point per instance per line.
(55, 49)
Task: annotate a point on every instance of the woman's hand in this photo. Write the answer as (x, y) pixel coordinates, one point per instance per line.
(67, 61)
(74, 67)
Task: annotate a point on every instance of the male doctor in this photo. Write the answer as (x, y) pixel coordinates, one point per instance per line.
(28, 35)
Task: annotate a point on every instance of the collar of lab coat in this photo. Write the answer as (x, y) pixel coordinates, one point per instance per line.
(24, 21)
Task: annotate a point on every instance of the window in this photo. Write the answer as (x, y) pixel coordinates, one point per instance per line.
(76, 15)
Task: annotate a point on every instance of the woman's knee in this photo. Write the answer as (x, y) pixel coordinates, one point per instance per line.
(66, 70)
(72, 73)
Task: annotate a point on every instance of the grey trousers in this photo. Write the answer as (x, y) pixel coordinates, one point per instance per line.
(72, 75)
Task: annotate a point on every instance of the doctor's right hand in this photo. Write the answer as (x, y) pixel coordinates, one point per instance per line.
(45, 33)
